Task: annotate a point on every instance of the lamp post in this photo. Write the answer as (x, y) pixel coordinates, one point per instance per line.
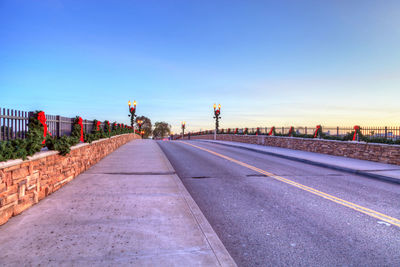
(217, 112)
(132, 110)
(140, 122)
(183, 129)
(142, 133)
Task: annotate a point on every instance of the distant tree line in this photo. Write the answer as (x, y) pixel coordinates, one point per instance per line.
(161, 128)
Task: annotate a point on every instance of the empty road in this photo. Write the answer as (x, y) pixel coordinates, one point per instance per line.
(270, 211)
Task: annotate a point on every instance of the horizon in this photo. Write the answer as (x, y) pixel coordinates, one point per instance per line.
(267, 63)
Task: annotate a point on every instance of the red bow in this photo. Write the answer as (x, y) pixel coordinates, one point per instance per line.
(316, 131)
(290, 131)
(132, 109)
(81, 124)
(356, 129)
(271, 131)
(98, 126)
(42, 120)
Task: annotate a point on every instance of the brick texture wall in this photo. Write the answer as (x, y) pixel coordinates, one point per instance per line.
(24, 183)
(358, 150)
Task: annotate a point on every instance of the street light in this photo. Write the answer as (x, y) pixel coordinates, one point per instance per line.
(183, 129)
(217, 112)
(132, 110)
(140, 122)
(142, 133)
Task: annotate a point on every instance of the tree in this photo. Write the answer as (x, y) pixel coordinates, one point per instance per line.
(146, 125)
(161, 129)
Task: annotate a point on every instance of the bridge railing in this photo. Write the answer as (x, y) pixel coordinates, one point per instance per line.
(14, 124)
(383, 132)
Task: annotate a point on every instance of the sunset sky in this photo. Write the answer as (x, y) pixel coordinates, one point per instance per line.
(268, 63)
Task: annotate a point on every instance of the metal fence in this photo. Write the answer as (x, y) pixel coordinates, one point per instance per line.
(392, 133)
(14, 124)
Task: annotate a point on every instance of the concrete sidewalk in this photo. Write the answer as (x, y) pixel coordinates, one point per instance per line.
(129, 209)
(387, 172)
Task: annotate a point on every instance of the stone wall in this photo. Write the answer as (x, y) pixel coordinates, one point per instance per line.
(359, 150)
(24, 183)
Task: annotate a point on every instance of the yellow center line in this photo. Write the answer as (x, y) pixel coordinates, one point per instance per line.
(340, 201)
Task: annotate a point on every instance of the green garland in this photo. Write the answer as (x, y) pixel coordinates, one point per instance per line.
(22, 148)
(107, 129)
(76, 129)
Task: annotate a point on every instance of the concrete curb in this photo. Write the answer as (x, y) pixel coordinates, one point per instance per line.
(220, 252)
(315, 163)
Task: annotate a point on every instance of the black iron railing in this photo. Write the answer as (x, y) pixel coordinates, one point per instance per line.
(14, 124)
(384, 132)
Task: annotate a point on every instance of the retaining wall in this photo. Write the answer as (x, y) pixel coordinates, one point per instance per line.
(359, 150)
(25, 182)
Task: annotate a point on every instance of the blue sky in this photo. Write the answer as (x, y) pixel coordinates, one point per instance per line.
(268, 63)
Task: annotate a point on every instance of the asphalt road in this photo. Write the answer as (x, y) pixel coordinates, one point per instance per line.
(263, 221)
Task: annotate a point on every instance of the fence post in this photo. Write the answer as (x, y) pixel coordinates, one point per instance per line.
(12, 125)
(337, 131)
(305, 130)
(8, 124)
(385, 132)
(58, 125)
(283, 130)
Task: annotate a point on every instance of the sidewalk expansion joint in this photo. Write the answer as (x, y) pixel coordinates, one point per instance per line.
(140, 173)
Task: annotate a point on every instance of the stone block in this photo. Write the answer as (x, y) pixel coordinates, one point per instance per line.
(5, 214)
(11, 198)
(12, 189)
(20, 173)
(11, 168)
(3, 187)
(21, 189)
(2, 176)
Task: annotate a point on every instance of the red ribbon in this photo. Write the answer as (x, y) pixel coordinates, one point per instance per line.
(290, 131)
(42, 120)
(98, 126)
(81, 124)
(316, 131)
(356, 129)
(271, 131)
(132, 109)
(109, 129)
(258, 129)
